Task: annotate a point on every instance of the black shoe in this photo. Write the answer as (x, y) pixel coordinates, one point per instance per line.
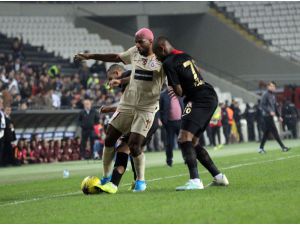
(170, 163)
(286, 149)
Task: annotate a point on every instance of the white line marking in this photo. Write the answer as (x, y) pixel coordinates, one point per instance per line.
(151, 180)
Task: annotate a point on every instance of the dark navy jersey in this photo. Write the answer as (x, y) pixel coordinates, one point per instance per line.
(181, 70)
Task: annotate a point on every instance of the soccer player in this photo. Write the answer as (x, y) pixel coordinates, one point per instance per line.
(138, 104)
(117, 71)
(269, 110)
(201, 101)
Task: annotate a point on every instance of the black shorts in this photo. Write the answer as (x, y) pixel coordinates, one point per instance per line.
(148, 138)
(199, 110)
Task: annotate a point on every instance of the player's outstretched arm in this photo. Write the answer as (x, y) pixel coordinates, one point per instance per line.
(108, 109)
(117, 82)
(101, 57)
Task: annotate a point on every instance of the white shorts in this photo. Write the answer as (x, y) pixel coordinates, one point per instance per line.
(135, 121)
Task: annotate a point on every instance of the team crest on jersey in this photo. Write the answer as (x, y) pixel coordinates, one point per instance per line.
(144, 61)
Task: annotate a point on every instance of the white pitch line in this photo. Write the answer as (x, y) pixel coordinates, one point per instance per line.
(151, 180)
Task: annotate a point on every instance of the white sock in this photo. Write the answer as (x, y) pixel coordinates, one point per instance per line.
(139, 164)
(108, 156)
(219, 176)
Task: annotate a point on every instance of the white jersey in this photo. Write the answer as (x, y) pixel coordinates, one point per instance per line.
(146, 80)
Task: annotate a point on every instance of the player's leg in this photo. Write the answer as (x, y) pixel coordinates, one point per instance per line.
(140, 127)
(204, 158)
(189, 155)
(135, 145)
(112, 135)
(202, 155)
(120, 123)
(119, 169)
(120, 163)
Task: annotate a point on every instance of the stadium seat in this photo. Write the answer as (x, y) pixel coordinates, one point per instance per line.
(55, 34)
(278, 22)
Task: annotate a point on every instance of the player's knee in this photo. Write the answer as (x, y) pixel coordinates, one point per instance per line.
(181, 140)
(195, 142)
(123, 147)
(135, 149)
(185, 137)
(109, 141)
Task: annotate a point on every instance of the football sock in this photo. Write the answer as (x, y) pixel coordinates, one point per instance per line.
(133, 168)
(189, 157)
(119, 167)
(108, 156)
(139, 164)
(206, 161)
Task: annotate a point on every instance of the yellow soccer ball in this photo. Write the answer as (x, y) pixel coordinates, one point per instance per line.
(89, 185)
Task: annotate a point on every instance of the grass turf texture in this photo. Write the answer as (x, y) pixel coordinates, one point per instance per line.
(263, 189)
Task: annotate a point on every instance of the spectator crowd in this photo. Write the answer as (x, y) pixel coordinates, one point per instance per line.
(28, 86)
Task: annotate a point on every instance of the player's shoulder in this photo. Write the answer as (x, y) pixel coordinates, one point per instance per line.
(133, 50)
(173, 58)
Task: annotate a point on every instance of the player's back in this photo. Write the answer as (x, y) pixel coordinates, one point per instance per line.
(187, 72)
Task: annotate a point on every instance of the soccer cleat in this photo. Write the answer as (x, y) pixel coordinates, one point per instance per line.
(261, 151)
(140, 185)
(131, 187)
(190, 185)
(286, 149)
(109, 188)
(105, 180)
(219, 182)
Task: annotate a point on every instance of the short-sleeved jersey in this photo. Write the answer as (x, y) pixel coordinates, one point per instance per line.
(146, 80)
(181, 70)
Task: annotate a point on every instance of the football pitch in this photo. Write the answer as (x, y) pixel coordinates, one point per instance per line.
(263, 189)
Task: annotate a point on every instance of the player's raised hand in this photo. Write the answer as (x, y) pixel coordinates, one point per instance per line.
(81, 56)
(114, 83)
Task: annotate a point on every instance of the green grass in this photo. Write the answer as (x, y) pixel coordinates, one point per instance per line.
(263, 189)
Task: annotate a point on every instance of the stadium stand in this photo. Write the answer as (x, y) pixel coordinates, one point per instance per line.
(277, 23)
(56, 34)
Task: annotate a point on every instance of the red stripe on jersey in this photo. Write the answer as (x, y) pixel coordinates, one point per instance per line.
(176, 52)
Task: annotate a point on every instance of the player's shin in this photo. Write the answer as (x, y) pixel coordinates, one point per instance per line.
(119, 167)
(108, 156)
(206, 161)
(139, 164)
(189, 157)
